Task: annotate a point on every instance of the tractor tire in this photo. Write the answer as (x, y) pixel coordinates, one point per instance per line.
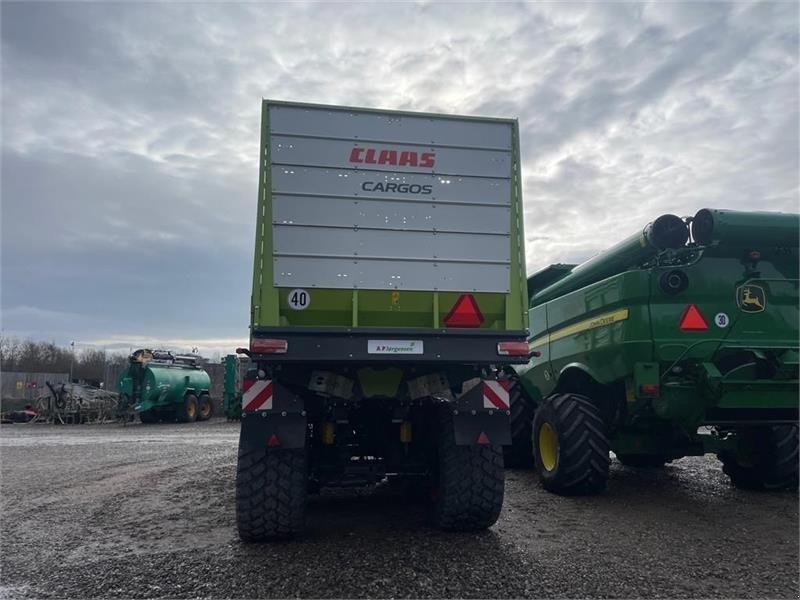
(148, 416)
(468, 483)
(772, 460)
(271, 491)
(644, 461)
(205, 409)
(519, 455)
(571, 450)
(187, 410)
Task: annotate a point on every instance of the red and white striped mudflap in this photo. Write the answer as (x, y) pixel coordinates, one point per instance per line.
(495, 394)
(257, 395)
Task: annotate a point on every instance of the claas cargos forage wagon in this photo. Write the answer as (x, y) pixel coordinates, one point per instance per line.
(388, 292)
(680, 340)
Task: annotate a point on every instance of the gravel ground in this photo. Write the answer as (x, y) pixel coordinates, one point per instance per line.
(148, 511)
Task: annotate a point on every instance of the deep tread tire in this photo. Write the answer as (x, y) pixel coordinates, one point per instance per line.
(519, 454)
(775, 465)
(148, 416)
(644, 461)
(205, 408)
(469, 482)
(271, 491)
(184, 412)
(583, 449)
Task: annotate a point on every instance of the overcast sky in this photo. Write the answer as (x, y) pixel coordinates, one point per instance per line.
(130, 135)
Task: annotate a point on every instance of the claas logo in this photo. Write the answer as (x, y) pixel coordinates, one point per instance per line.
(396, 158)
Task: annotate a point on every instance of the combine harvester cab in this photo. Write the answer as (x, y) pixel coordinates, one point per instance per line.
(162, 387)
(663, 347)
(388, 293)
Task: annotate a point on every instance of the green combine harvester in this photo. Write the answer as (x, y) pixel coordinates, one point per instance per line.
(667, 345)
(160, 386)
(388, 294)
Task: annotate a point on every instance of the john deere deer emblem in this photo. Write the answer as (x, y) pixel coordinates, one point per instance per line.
(751, 298)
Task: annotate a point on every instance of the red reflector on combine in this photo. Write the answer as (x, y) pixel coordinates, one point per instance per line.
(693, 320)
(513, 348)
(273, 441)
(265, 346)
(465, 313)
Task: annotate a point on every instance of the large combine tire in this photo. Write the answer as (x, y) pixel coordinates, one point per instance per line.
(520, 453)
(468, 482)
(571, 449)
(148, 416)
(644, 461)
(271, 490)
(205, 408)
(186, 411)
(767, 459)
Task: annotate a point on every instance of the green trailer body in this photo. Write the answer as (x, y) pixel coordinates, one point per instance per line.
(660, 337)
(162, 387)
(388, 293)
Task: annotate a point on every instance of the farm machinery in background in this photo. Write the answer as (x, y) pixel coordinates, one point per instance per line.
(160, 386)
(662, 347)
(67, 404)
(235, 367)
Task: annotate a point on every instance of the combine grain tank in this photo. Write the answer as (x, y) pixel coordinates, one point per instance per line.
(163, 387)
(664, 347)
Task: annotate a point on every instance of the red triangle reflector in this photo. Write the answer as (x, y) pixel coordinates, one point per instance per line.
(273, 441)
(465, 313)
(483, 439)
(692, 319)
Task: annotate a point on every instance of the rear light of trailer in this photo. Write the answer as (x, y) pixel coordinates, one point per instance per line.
(465, 313)
(267, 346)
(693, 319)
(513, 349)
(649, 390)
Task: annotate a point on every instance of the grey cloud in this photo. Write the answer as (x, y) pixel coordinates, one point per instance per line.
(130, 132)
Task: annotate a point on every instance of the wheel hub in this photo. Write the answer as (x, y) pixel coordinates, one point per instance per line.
(548, 446)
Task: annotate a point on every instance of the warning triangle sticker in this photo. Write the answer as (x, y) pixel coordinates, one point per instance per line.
(483, 438)
(465, 313)
(693, 320)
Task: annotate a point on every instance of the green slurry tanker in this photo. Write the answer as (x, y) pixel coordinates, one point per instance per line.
(667, 345)
(388, 294)
(163, 387)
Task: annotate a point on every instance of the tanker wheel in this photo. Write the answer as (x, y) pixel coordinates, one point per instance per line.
(766, 458)
(520, 453)
(645, 461)
(271, 491)
(571, 450)
(205, 408)
(148, 416)
(187, 411)
(468, 483)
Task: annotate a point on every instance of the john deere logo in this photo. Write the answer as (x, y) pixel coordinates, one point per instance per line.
(751, 298)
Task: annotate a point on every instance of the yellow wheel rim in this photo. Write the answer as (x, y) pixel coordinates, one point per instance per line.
(191, 410)
(205, 408)
(548, 446)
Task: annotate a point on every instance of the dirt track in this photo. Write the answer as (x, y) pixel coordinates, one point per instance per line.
(148, 511)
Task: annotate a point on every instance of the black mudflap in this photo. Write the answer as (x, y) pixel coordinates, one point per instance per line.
(272, 416)
(481, 415)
